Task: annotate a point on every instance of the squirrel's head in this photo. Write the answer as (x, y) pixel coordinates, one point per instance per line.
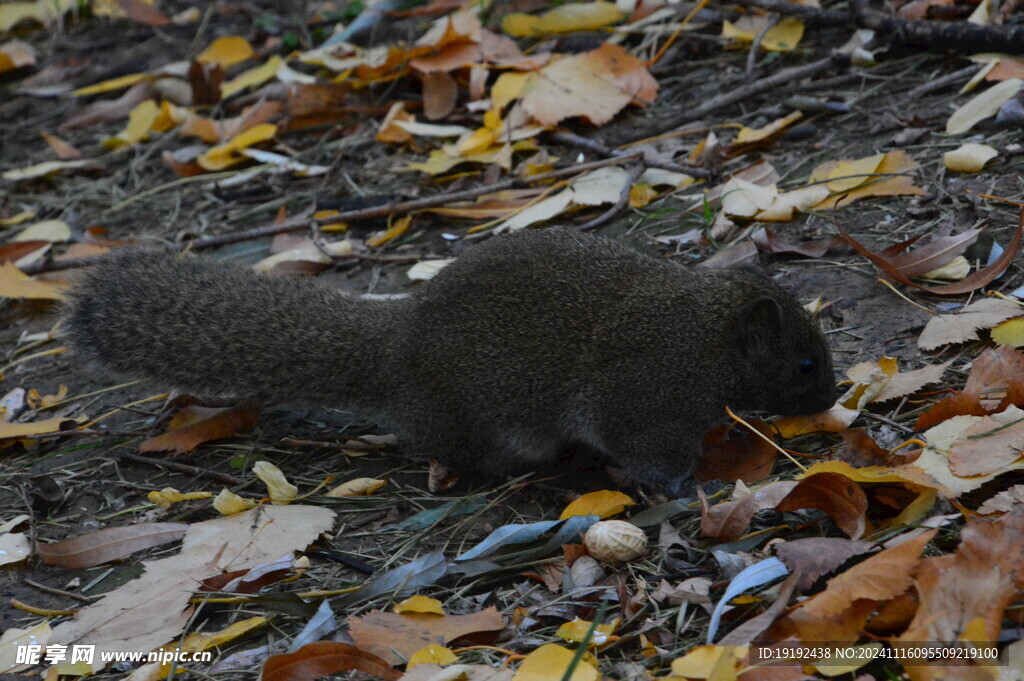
(787, 360)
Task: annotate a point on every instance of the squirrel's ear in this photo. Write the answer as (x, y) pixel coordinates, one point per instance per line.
(759, 323)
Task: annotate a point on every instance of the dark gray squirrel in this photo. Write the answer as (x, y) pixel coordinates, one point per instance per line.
(526, 344)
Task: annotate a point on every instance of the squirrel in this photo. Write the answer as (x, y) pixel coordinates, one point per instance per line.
(524, 345)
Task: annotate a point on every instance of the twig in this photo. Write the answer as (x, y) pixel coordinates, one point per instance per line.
(634, 174)
(755, 47)
(747, 91)
(944, 81)
(178, 467)
(575, 140)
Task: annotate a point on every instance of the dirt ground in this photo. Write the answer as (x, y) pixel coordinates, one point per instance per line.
(133, 194)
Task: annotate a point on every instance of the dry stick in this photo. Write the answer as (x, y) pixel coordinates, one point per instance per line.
(572, 139)
(177, 467)
(944, 81)
(941, 36)
(634, 174)
(747, 91)
(755, 47)
(302, 222)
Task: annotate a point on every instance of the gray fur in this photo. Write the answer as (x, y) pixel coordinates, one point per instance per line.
(524, 345)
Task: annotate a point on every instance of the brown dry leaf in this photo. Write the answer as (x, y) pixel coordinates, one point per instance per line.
(194, 425)
(16, 250)
(964, 595)
(143, 13)
(766, 240)
(1003, 502)
(860, 450)
(838, 496)
(995, 382)
(62, 149)
(963, 326)
(883, 576)
(909, 382)
(881, 175)
(396, 637)
(815, 557)
(989, 445)
(112, 543)
(109, 110)
(729, 520)
(322, 658)
(938, 252)
(440, 93)
(566, 18)
(152, 609)
(976, 280)
(595, 85)
(737, 454)
(16, 284)
(16, 54)
(835, 420)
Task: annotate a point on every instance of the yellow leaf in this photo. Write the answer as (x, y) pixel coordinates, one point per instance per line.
(1010, 332)
(139, 121)
(604, 503)
(18, 218)
(396, 229)
(783, 37)
(432, 654)
(576, 631)
(55, 425)
(710, 661)
(13, 639)
(42, 169)
(223, 155)
(43, 11)
(887, 178)
(280, 490)
(969, 158)
(16, 284)
(360, 487)
(508, 87)
(982, 106)
(570, 17)
(550, 662)
(169, 117)
(227, 51)
(47, 230)
(747, 135)
(641, 194)
(479, 140)
(420, 604)
(168, 496)
(229, 503)
(254, 76)
(118, 83)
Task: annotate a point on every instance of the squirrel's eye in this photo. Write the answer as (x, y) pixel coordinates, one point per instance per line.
(806, 366)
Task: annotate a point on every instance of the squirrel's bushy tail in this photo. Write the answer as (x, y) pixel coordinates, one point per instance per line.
(216, 330)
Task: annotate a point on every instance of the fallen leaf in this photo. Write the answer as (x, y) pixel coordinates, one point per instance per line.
(358, 487)
(766, 240)
(880, 577)
(937, 252)
(109, 110)
(253, 77)
(1010, 332)
(880, 175)
(815, 557)
(16, 54)
(782, 37)
(227, 51)
(62, 149)
(729, 520)
(982, 106)
(143, 13)
(989, 445)
(595, 85)
(836, 495)
(323, 658)
(420, 604)
(140, 120)
(551, 662)
(16, 284)
(567, 18)
(969, 158)
(395, 637)
(226, 155)
(194, 425)
(279, 489)
(43, 169)
(112, 543)
(834, 420)
(963, 326)
(1003, 502)
(604, 503)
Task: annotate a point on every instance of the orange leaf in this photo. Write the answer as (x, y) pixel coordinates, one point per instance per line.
(396, 637)
(196, 425)
(112, 543)
(321, 658)
(838, 496)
